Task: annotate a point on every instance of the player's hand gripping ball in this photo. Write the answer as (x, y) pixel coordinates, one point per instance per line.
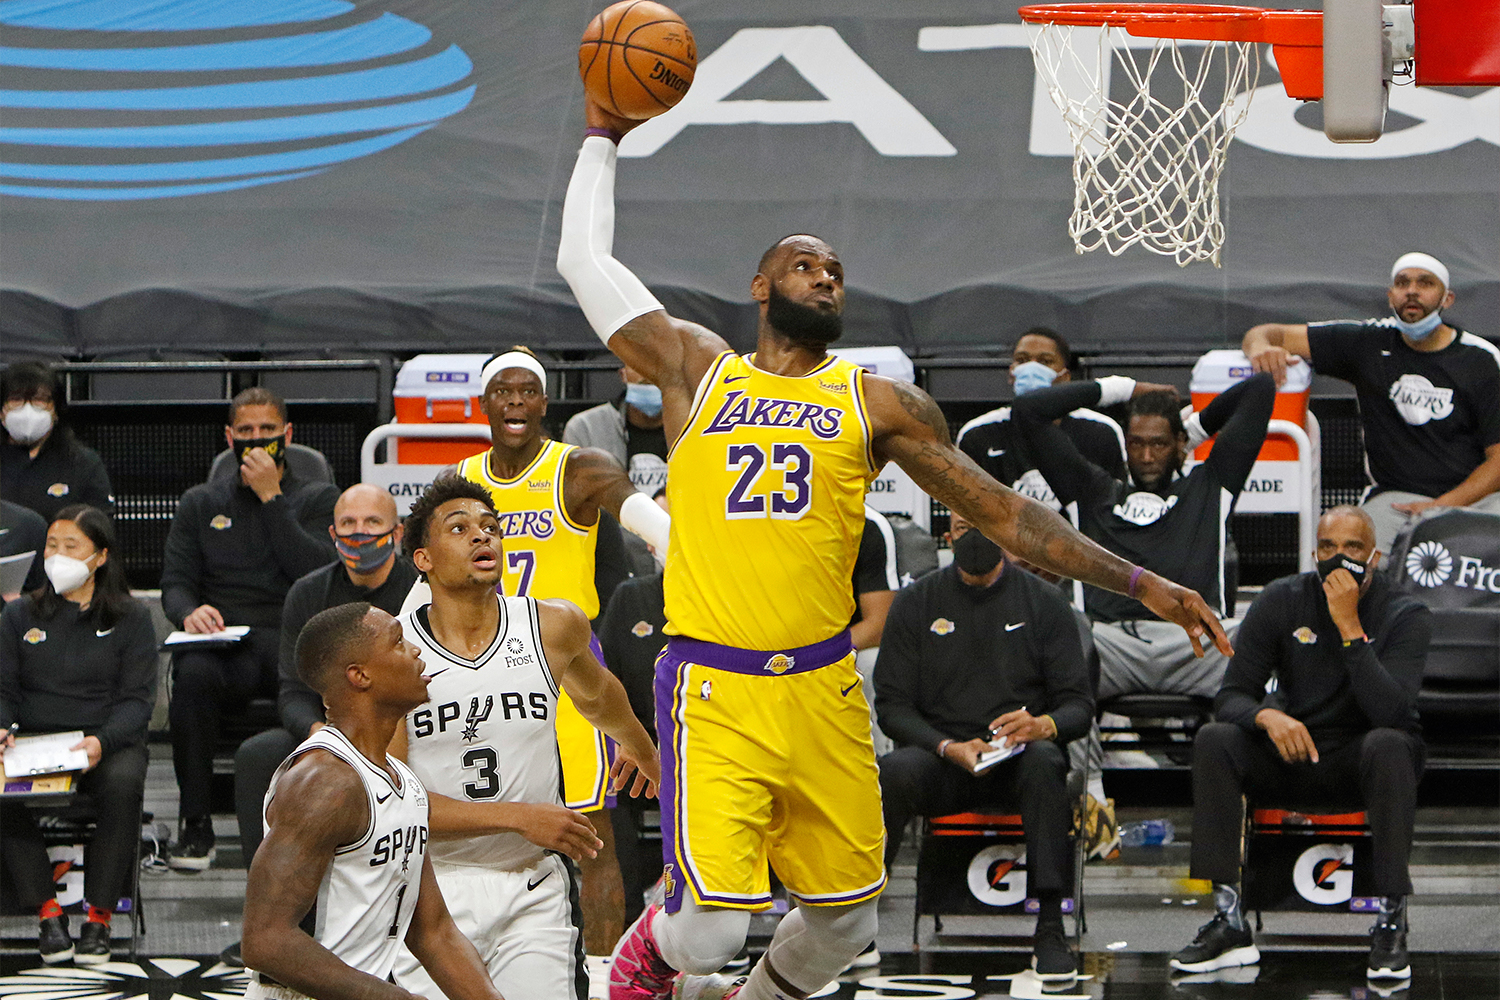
(637, 59)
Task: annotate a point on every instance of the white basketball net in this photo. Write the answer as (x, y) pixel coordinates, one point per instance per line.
(1146, 171)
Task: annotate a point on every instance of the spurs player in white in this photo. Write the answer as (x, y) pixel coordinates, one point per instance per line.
(485, 746)
(347, 834)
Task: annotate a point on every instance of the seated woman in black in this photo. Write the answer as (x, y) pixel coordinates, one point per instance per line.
(79, 653)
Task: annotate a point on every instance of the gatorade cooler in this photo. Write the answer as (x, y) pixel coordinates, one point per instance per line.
(1218, 370)
(439, 389)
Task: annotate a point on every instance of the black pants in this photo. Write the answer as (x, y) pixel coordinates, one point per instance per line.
(254, 763)
(114, 788)
(915, 782)
(207, 684)
(1378, 772)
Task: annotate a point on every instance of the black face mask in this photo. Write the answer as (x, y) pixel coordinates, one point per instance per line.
(975, 554)
(804, 325)
(274, 446)
(1356, 569)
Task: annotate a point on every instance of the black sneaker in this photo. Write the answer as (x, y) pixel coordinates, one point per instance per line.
(1388, 957)
(53, 940)
(93, 944)
(195, 847)
(1052, 957)
(1217, 946)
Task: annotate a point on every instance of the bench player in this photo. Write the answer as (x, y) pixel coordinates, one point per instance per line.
(347, 832)
(487, 750)
(765, 738)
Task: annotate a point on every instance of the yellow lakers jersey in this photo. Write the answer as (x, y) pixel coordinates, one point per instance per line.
(767, 489)
(546, 554)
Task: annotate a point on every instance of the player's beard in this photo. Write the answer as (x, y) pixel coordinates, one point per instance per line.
(805, 326)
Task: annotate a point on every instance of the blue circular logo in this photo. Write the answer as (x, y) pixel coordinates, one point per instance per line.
(112, 100)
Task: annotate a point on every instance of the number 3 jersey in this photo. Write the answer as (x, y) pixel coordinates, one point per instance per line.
(369, 892)
(486, 733)
(767, 488)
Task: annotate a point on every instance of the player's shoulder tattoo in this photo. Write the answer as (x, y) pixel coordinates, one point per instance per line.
(922, 407)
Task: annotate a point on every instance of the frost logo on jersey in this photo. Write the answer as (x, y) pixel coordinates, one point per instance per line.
(1430, 564)
(740, 410)
(997, 875)
(1418, 400)
(1034, 485)
(476, 716)
(1144, 508)
(514, 645)
(1323, 874)
(536, 523)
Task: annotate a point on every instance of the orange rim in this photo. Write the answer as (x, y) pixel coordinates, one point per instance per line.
(1097, 15)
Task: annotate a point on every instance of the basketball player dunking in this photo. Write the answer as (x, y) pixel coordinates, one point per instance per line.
(764, 732)
(487, 750)
(551, 495)
(347, 830)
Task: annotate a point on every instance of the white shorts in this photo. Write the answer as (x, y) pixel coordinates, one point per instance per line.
(526, 926)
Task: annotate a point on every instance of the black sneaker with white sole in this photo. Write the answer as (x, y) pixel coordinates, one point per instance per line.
(53, 940)
(1388, 957)
(93, 944)
(1217, 946)
(195, 847)
(1052, 957)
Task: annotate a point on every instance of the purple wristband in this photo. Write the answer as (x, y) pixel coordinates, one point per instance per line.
(1135, 576)
(608, 133)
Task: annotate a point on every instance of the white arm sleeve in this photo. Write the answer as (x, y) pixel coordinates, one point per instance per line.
(641, 515)
(609, 293)
(1115, 389)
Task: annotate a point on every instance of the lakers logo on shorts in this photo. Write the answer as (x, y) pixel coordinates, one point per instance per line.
(781, 663)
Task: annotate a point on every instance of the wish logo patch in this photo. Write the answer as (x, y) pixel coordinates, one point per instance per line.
(112, 100)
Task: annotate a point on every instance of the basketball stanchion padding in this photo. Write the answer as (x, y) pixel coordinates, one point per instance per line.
(1151, 122)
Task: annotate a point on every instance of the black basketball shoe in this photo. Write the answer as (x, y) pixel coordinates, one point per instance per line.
(1388, 957)
(1217, 946)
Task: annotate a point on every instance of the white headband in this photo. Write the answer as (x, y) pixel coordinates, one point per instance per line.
(511, 359)
(1426, 262)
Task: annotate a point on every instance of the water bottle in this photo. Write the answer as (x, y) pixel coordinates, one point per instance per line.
(1150, 833)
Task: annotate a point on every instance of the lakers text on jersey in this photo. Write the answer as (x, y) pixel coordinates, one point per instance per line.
(767, 485)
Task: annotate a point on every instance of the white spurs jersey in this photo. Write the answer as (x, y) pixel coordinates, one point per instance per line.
(369, 892)
(487, 731)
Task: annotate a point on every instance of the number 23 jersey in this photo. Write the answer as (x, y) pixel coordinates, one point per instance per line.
(486, 733)
(767, 487)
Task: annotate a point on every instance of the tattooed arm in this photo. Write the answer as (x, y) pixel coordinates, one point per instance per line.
(910, 430)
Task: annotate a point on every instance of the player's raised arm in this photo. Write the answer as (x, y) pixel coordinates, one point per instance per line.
(448, 956)
(594, 479)
(598, 695)
(671, 353)
(910, 430)
(320, 805)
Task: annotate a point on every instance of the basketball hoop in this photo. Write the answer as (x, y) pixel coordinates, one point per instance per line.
(1149, 149)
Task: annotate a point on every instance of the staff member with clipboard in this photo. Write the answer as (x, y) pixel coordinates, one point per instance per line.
(79, 653)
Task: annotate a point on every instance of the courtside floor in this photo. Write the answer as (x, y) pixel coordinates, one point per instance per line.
(1139, 911)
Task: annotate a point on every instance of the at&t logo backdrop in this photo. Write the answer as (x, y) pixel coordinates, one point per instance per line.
(108, 100)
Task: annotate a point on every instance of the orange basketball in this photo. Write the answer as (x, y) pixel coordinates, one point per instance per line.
(637, 59)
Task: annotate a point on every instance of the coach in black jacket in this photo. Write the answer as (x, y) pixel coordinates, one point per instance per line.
(236, 545)
(1340, 727)
(980, 648)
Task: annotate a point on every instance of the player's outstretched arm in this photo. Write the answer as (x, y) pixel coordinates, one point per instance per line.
(598, 695)
(594, 480)
(911, 431)
(448, 956)
(1271, 347)
(319, 806)
(671, 353)
(545, 824)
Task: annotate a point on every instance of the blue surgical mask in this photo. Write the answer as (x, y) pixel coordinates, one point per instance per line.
(1033, 375)
(644, 397)
(1422, 328)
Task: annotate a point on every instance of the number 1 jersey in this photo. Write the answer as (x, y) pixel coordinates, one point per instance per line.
(486, 733)
(767, 488)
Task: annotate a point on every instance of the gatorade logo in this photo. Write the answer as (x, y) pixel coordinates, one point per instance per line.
(1324, 874)
(997, 875)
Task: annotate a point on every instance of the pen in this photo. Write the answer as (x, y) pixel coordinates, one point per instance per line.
(996, 732)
